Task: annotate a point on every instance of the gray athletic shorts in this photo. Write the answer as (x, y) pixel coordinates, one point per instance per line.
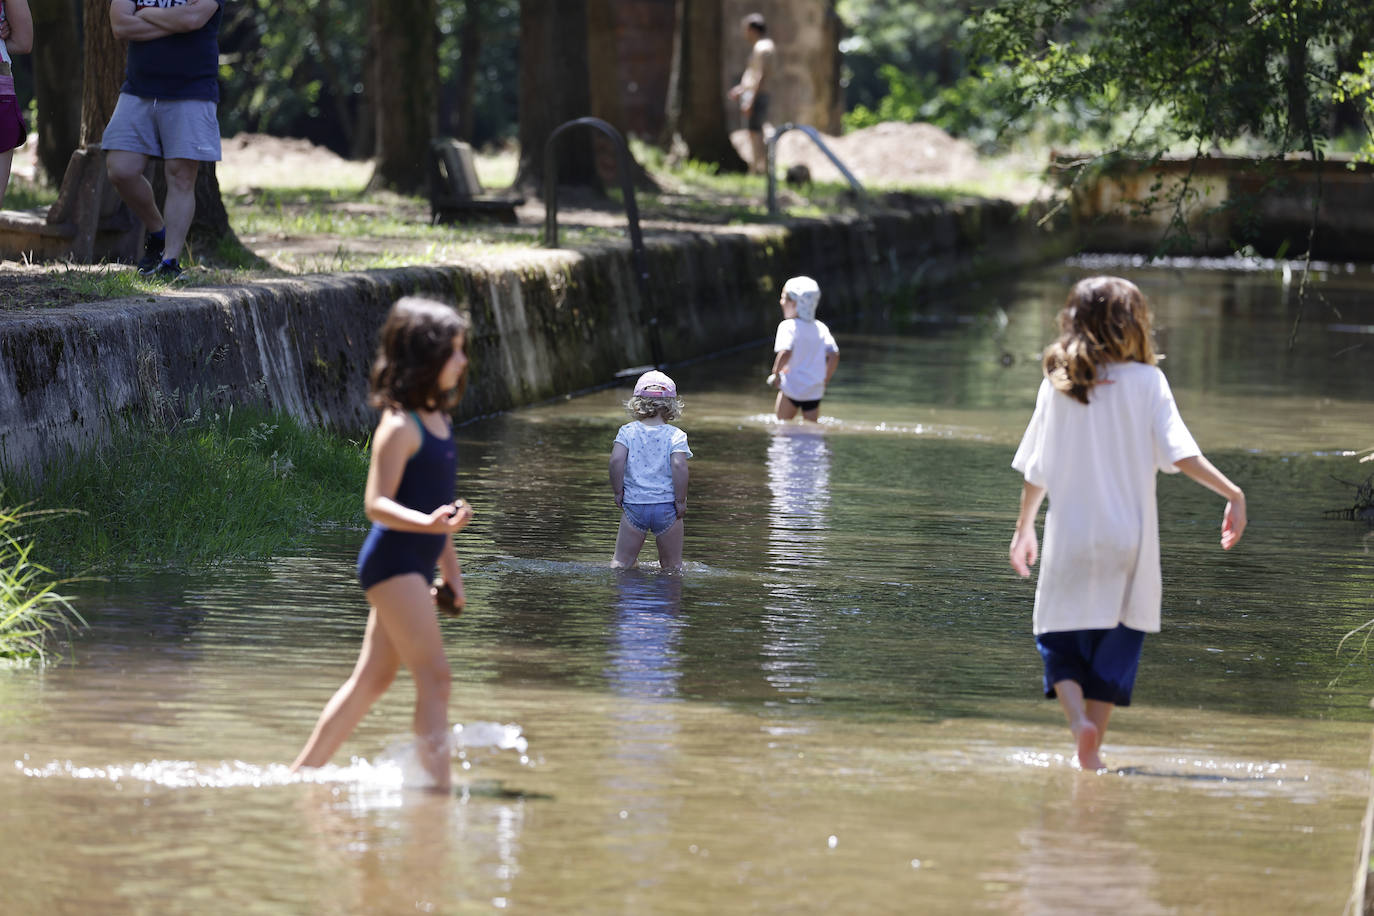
(167, 128)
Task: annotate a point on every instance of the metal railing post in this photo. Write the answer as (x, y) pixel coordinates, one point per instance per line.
(627, 191)
(815, 136)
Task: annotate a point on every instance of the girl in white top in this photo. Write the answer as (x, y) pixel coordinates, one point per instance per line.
(1105, 421)
(649, 474)
(806, 352)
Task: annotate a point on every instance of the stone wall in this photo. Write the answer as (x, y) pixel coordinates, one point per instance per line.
(1271, 206)
(545, 322)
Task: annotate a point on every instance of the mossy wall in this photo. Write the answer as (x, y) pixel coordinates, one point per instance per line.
(545, 322)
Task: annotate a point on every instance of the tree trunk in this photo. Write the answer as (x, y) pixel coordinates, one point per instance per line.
(605, 89)
(696, 97)
(554, 88)
(104, 70)
(469, 53)
(57, 84)
(405, 72)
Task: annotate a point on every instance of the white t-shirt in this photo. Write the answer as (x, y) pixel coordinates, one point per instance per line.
(649, 467)
(1099, 565)
(803, 378)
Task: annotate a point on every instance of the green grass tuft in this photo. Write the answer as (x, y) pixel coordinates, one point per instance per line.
(31, 610)
(246, 484)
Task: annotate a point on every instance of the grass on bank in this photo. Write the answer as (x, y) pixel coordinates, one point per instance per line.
(32, 612)
(243, 484)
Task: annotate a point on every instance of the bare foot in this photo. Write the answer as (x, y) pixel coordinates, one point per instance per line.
(1087, 738)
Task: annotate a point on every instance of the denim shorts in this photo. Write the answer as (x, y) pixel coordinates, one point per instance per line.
(654, 518)
(167, 128)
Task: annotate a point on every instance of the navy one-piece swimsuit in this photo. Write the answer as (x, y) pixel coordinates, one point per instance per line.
(428, 482)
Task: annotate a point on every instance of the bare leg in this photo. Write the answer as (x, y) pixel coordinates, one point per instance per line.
(760, 153)
(1087, 737)
(180, 206)
(372, 675)
(629, 540)
(784, 407)
(813, 415)
(1099, 712)
(669, 545)
(401, 629)
(126, 174)
(405, 610)
(6, 161)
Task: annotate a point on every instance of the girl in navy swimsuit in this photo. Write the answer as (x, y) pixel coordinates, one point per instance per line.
(418, 376)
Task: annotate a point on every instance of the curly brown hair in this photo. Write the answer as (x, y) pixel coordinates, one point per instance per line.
(1105, 320)
(416, 341)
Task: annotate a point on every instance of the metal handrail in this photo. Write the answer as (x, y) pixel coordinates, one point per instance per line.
(627, 190)
(815, 136)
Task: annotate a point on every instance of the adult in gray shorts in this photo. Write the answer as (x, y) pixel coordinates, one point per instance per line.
(167, 108)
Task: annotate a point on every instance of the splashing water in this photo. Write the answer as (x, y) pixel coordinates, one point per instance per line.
(396, 768)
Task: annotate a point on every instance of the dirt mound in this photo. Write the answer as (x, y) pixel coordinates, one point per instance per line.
(891, 153)
(259, 160)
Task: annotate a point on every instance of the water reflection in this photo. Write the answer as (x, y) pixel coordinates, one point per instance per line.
(1078, 855)
(645, 667)
(799, 481)
(411, 853)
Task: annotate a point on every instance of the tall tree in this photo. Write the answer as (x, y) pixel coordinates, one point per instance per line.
(57, 83)
(405, 90)
(554, 88)
(696, 94)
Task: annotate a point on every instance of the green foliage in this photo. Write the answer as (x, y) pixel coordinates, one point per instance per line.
(31, 610)
(920, 40)
(1218, 71)
(297, 68)
(209, 489)
(1357, 86)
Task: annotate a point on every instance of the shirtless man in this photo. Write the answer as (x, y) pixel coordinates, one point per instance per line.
(752, 90)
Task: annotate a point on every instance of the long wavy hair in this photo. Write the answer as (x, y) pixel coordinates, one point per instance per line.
(1105, 320)
(416, 341)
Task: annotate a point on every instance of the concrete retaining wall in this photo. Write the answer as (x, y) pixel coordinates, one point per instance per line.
(545, 322)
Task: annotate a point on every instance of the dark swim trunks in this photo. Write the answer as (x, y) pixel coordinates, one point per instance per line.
(1102, 662)
(428, 481)
(805, 405)
(759, 113)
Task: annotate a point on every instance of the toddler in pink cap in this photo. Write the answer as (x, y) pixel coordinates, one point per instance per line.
(649, 474)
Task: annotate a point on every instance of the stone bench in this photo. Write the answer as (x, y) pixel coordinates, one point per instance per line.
(455, 193)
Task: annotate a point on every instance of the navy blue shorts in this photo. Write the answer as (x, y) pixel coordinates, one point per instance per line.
(1102, 662)
(804, 405)
(388, 553)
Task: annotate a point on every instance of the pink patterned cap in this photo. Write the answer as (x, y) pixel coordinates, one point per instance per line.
(654, 384)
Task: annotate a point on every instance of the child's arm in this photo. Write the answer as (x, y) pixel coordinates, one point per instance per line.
(680, 476)
(619, 454)
(1233, 519)
(1024, 548)
(832, 360)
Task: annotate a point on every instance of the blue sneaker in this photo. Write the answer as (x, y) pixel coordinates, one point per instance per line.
(168, 271)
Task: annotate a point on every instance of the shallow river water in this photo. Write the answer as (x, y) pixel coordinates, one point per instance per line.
(835, 710)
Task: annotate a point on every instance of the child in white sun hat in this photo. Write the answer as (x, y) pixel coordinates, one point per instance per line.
(649, 474)
(806, 352)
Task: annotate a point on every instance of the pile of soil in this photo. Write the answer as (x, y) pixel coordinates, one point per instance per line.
(889, 154)
(260, 160)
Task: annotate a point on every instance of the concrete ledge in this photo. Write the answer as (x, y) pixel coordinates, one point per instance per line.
(545, 322)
